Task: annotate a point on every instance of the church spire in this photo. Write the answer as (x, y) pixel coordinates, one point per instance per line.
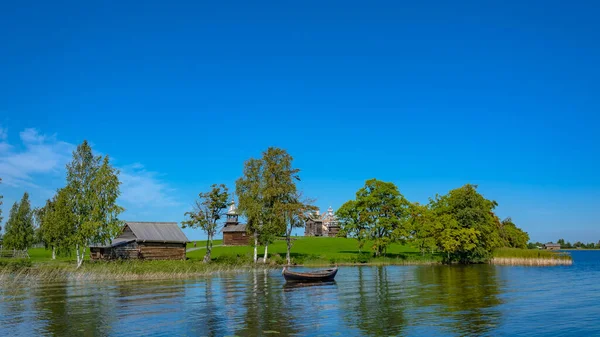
(232, 215)
(232, 209)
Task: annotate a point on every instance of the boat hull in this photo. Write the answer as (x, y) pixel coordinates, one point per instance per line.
(327, 275)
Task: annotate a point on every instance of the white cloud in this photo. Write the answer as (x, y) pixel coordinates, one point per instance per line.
(40, 163)
(143, 188)
(32, 136)
(41, 155)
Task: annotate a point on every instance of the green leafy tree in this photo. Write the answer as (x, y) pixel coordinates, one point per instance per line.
(93, 187)
(284, 206)
(351, 225)
(422, 224)
(512, 235)
(10, 230)
(467, 230)
(57, 223)
(267, 196)
(380, 212)
(207, 212)
(296, 211)
(249, 189)
(19, 228)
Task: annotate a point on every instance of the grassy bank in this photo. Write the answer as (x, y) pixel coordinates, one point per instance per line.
(530, 257)
(310, 251)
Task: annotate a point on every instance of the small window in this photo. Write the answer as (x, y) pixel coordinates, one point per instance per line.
(243, 234)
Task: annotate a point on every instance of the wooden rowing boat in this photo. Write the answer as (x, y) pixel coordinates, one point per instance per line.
(314, 276)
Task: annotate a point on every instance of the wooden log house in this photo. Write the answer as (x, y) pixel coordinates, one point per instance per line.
(144, 241)
(325, 225)
(234, 233)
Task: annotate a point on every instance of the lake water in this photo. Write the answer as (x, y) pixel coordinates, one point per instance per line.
(364, 301)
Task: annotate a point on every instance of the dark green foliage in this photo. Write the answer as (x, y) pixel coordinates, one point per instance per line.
(378, 213)
(19, 227)
(57, 223)
(468, 230)
(513, 236)
(15, 264)
(461, 225)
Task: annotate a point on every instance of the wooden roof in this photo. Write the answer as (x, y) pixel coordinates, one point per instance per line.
(154, 232)
(235, 228)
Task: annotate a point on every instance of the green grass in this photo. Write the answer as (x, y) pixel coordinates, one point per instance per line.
(318, 251)
(305, 251)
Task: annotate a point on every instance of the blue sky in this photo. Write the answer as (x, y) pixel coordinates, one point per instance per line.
(430, 96)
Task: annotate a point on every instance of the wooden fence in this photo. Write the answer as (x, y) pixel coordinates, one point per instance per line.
(13, 253)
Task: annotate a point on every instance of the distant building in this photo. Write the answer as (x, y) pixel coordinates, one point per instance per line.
(234, 233)
(144, 240)
(322, 225)
(551, 246)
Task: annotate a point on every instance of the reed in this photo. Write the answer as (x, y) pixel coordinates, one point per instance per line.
(530, 257)
(520, 261)
(120, 271)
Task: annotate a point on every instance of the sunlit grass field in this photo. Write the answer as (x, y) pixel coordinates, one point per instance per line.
(318, 251)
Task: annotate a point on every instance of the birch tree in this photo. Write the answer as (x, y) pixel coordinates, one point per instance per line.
(93, 187)
(267, 192)
(297, 210)
(279, 193)
(208, 210)
(249, 190)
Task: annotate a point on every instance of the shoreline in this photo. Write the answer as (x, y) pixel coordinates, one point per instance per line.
(178, 270)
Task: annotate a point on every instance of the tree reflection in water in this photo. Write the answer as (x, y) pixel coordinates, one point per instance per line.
(267, 310)
(464, 298)
(73, 308)
(378, 310)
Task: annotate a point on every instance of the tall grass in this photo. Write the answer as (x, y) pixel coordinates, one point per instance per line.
(120, 270)
(530, 257)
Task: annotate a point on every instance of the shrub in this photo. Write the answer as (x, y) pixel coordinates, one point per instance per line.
(15, 264)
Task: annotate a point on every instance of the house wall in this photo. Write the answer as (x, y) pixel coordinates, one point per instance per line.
(100, 253)
(313, 228)
(127, 251)
(333, 231)
(142, 251)
(236, 239)
(162, 251)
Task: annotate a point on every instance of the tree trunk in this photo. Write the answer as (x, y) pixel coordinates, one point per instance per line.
(289, 246)
(77, 253)
(53, 253)
(80, 255)
(266, 248)
(255, 247)
(208, 248)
